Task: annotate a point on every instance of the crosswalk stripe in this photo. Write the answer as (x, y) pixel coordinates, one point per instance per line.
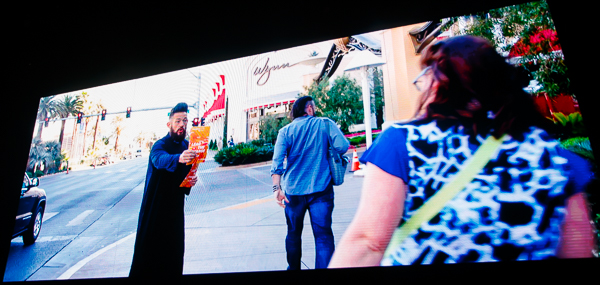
(48, 215)
(79, 219)
(55, 238)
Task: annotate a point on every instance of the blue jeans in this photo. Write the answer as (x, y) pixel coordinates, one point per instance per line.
(320, 208)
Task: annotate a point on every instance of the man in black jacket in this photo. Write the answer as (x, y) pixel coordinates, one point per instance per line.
(159, 244)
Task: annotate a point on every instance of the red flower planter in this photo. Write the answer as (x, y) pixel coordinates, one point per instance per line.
(562, 103)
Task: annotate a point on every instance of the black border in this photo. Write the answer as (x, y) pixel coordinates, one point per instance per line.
(56, 49)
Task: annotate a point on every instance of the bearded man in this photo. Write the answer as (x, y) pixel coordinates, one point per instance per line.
(159, 243)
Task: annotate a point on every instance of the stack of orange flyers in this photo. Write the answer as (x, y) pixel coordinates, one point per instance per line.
(199, 143)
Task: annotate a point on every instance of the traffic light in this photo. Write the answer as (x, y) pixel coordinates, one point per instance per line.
(46, 120)
(79, 116)
(103, 114)
(195, 122)
(128, 112)
(202, 122)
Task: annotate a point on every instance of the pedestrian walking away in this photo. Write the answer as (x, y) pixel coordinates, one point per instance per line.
(305, 183)
(159, 242)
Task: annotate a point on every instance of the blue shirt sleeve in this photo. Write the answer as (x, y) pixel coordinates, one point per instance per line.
(161, 159)
(339, 142)
(389, 153)
(279, 153)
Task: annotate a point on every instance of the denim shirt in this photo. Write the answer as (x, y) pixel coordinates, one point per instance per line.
(304, 142)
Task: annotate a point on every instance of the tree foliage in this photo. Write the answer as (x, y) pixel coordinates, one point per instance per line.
(269, 127)
(504, 26)
(69, 105)
(47, 154)
(342, 102)
(118, 124)
(90, 107)
(47, 109)
(527, 29)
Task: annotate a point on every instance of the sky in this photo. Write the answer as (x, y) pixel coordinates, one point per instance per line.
(164, 90)
(167, 89)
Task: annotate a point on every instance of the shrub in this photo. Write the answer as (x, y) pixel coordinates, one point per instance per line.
(213, 145)
(39, 173)
(358, 140)
(259, 142)
(244, 153)
(569, 126)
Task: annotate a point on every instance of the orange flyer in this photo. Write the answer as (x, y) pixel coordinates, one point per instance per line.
(199, 143)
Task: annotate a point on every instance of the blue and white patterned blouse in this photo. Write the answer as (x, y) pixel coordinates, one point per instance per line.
(512, 210)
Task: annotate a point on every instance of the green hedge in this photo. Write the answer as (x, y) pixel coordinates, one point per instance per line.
(355, 141)
(244, 153)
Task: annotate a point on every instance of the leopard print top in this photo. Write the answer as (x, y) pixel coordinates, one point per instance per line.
(512, 210)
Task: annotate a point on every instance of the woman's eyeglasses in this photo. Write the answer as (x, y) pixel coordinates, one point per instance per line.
(419, 82)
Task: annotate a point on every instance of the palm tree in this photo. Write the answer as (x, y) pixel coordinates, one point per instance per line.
(46, 109)
(90, 107)
(99, 108)
(117, 122)
(54, 154)
(69, 105)
(44, 153)
(140, 139)
(36, 155)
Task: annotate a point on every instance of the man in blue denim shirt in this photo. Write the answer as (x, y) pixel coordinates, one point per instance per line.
(306, 180)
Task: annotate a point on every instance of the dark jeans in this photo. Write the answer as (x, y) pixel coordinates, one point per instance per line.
(320, 208)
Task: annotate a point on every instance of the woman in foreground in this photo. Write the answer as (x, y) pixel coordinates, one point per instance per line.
(527, 203)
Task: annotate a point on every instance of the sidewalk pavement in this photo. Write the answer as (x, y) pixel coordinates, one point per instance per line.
(248, 237)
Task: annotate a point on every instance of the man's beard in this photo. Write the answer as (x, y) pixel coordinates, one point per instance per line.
(176, 136)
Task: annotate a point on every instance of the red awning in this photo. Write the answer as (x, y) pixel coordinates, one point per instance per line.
(218, 105)
(269, 105)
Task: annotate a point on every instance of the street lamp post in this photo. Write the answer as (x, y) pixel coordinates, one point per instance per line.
(362, 61)
(199, 93)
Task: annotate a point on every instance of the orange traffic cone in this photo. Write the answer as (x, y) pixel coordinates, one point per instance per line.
(355, 163)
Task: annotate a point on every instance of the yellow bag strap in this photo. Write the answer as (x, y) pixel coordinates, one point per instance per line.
(437, 202)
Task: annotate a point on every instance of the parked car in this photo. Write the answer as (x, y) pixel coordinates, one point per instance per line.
(138, 152)
(31, 211)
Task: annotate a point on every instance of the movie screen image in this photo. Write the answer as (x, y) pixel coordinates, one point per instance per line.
(91, 160)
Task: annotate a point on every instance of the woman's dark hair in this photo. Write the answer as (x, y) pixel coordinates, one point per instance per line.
(299, 107)
(477, 86)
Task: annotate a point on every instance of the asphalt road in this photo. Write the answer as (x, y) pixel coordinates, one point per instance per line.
(91, 208)
(75, 203)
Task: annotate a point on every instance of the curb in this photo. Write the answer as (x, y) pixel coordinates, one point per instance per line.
(223, 168)
(257, 164)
